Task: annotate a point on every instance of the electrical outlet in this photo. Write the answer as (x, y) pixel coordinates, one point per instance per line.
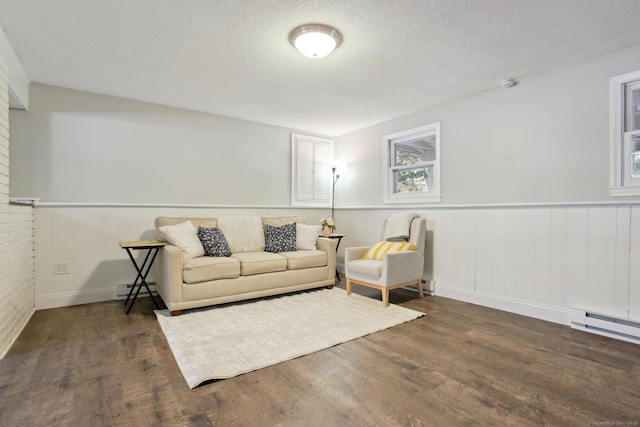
(61, 267)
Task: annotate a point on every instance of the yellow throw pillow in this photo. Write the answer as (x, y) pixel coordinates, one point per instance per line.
(379, 250)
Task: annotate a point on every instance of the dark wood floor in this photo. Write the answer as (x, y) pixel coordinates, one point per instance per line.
(461, 364)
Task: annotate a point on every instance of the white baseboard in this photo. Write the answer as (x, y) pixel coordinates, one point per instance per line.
(550, 314)
(74, 298)
(122, 291)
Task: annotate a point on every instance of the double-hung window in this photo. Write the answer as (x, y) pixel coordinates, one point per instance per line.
(411, 165)
(625, 135)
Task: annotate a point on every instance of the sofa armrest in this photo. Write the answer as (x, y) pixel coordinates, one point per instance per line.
(355, 253)
(329, 246)
(326, 245)
(168, 268)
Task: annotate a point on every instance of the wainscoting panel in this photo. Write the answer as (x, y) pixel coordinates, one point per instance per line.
(621, 279)
(541, 284)
(510, 260)
(557, 257)
(576, 258)
(484, 242)
(549, 257)
(601, 259)
(498, 254)
(454, 247)
(540, 261)
(525, 254)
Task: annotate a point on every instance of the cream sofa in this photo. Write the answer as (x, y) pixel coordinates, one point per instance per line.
(187, 279)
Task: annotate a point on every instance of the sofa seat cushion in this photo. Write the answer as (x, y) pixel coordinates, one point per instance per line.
(260, 262)
(370, 267)
(206, 268)
(299, 260)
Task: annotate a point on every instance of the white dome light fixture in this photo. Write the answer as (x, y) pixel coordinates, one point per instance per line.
(315, 40)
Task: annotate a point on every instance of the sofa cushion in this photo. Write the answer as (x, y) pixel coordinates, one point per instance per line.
(197, 222)
(183, 236)
(214, 242)
(307, 236)
(244, 233)
(299, 260)
(259, 262)
(280, 239)
(370, 267)
(277, 221)
(203, 269)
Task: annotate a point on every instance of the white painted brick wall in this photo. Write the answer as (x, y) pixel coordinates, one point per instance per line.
(17, 266)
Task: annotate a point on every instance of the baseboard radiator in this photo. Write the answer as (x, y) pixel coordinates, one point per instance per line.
(608, 326)
(123, 290)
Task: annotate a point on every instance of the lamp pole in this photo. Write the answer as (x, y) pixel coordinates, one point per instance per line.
(333, 190)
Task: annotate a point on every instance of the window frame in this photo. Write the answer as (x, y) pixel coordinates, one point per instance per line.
(317, 200)
(389, 167)
(620, 184)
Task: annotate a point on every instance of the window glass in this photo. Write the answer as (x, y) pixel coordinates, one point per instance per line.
(635, 157)
(412, 165)
(632, 101)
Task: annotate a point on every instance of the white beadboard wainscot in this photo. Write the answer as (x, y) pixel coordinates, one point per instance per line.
(539, 261)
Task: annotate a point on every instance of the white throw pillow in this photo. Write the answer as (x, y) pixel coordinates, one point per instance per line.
(185, 237)
(307, 236)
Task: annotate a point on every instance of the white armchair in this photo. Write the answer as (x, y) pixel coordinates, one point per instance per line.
(395, 270)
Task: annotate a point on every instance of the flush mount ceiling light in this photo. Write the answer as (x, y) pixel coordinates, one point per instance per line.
(315, 40)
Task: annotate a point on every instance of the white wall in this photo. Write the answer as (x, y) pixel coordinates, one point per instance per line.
(544, 140)
(74, 146)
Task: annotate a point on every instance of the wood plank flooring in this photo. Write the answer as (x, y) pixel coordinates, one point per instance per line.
(461, 364)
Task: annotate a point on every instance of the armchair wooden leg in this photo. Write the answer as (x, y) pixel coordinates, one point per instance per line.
(385, 297)
(420, 291)
(349, 286)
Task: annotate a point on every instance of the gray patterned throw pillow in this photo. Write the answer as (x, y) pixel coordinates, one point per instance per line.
(214, 242)
(280, 239)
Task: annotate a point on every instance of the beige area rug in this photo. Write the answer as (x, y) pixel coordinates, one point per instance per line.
(225, 341)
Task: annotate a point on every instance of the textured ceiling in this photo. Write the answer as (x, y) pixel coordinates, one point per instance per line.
(233, 57)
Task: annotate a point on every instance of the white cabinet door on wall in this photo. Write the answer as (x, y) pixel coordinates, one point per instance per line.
(310, 172)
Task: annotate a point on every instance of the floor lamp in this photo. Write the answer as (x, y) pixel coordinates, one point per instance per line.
(333, 190)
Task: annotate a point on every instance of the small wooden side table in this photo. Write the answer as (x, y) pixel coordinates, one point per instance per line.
(339, 238)
(152, 247)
